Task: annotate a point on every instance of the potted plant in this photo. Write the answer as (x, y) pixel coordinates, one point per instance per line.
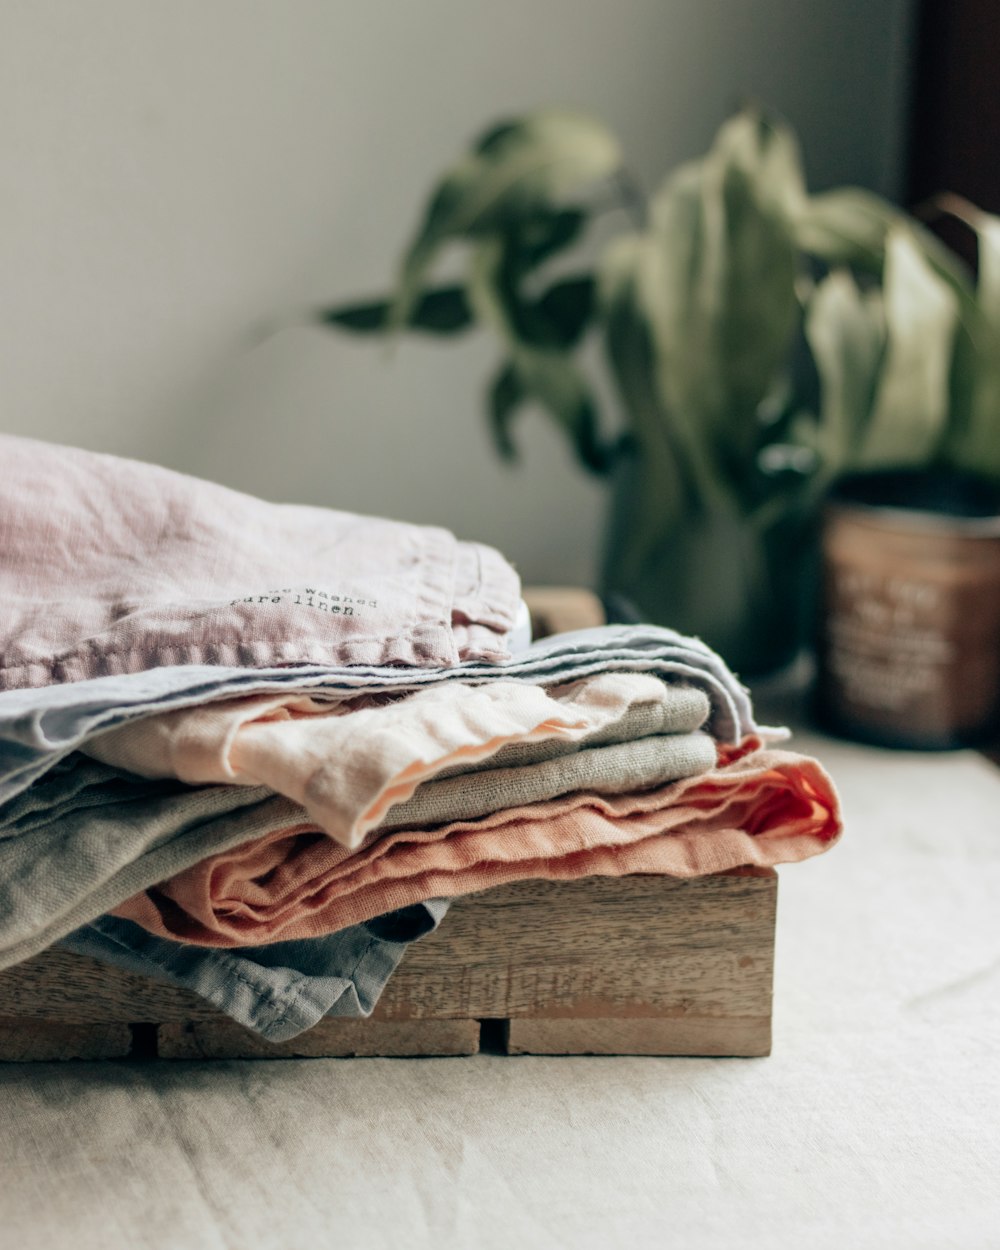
(760, 339)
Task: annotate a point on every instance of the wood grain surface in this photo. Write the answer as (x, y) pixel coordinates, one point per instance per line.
(224, 1039)
(28, 1039)
(602, 946)
(698, 954)
(744, 1037)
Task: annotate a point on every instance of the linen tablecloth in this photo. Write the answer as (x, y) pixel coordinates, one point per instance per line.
(875, 1123)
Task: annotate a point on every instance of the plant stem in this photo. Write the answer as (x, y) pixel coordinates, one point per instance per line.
(633, 198)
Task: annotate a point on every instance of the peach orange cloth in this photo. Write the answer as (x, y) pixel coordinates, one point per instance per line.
(763, 807)
(347, 771)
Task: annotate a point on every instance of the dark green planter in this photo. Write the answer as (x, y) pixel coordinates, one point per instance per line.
(746, 591)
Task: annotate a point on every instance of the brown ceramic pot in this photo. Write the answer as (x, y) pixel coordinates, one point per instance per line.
(909, 637)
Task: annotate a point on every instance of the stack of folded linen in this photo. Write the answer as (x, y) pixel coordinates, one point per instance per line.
(265, 794)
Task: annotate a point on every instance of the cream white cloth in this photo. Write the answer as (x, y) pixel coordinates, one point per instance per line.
(347, 766)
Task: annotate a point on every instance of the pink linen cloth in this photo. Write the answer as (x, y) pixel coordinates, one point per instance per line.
(761, 807)
(348, 765)
(112, 566)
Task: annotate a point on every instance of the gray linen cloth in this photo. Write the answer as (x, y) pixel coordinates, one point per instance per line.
(40, 726)
(617, 768)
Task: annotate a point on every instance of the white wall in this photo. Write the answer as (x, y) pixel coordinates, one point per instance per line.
(175, 171)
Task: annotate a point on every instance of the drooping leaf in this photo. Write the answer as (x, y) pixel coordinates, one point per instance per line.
(847, 227)
(545, 374)
(629, 343)
(556, 319)
(910, 412)
(851, 227)
(976, 373)
(718, 286)
(494, 135)
(983, 443)
(768, 153)
(558, 385)
(972, 437)
(444, 311)
(544, 234)
(656, 457)
(518, 168)
(988, 284)
(758, 311)
(506, 394)
(370, 318)
(845, 330)
(566, 309)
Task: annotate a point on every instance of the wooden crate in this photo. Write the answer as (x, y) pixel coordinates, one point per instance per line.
(631, 965)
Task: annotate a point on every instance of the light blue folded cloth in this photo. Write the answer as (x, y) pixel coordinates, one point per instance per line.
(278, 990)
(41, 725)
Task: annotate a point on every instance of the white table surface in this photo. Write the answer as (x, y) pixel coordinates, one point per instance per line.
(875, 1123)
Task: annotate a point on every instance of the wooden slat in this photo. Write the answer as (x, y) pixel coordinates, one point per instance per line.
(27, 1039)
(223, 1039)
(631, 946)
(58, 985)
(677, 1035)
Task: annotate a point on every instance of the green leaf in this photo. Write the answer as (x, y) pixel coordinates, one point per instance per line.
(629, 340)
(566, 309)
(444, 311)
(545, 374)
(557, 319)
(854, 227)
(847, 226)
(976, 370)
(543, 234)
(555, 382)
(987, 227)
(494, 136)
(506, 394)
(911, 406)
(983, 440)
(718, 287)
(665, 494)
(767, 152)
(512, 173)
(845, 330)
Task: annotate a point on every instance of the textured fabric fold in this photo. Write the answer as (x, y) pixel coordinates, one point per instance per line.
(348, 768)
(39, 727)
(278, 990)
(763, 807)
(87, 836)
(114, 567)
(614, 768)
